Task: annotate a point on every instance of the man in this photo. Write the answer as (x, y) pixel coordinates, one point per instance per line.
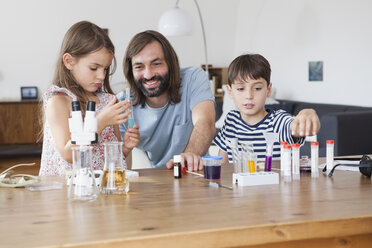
(174, 108)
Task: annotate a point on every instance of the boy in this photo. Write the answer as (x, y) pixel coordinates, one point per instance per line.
(248, 86)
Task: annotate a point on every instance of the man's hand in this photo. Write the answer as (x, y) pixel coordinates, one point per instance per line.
(306, 123)
(131, 139)
(191, 160)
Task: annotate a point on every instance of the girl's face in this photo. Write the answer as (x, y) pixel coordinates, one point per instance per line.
(89, 71)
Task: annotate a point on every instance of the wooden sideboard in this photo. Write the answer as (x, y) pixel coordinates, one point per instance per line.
(19, 122)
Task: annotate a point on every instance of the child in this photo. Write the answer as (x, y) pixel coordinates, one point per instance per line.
(248, 86)
(82, 74)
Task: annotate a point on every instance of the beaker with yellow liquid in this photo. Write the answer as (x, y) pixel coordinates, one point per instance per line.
(114, 179)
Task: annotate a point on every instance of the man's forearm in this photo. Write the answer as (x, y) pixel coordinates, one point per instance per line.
(201, 137)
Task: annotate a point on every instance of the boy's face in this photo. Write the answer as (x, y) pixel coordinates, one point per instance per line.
(249, 96)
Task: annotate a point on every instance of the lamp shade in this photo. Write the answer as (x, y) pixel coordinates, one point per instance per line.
(175, 22)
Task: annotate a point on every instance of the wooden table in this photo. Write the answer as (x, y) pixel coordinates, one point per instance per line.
(161, 211)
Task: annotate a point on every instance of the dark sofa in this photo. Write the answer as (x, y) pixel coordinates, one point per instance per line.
(349, 126)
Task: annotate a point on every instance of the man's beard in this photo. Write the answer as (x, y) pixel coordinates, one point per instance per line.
(163, 85)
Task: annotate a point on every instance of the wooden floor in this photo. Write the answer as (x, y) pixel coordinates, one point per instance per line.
(6, 162)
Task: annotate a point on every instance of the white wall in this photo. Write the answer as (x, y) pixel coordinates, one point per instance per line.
(289, 33)
(32, 32)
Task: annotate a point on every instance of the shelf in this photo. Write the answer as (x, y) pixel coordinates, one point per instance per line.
(218, 76)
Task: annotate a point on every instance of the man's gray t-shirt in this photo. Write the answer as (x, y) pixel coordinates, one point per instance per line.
(165, 131)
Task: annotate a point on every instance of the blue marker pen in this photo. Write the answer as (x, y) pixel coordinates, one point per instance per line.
(130, 117)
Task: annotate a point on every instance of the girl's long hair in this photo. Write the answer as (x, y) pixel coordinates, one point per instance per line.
(80, 40)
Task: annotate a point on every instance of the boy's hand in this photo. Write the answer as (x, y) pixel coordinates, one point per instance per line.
(131, 139)
(306, 123)
(193, 162)
(113, 114)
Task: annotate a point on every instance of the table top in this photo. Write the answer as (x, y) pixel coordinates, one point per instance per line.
(161, 211)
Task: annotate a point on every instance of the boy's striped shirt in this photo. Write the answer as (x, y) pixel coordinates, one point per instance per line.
(275, 121)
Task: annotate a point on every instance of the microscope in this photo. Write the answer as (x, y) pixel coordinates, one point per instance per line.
(82, 183)
(83, 133)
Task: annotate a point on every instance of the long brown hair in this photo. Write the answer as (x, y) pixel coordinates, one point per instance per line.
(138, 42)
(81, 39)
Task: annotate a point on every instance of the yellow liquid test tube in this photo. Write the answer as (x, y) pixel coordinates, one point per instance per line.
(251, 166)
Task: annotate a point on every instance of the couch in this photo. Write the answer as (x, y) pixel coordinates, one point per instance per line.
(349, 126)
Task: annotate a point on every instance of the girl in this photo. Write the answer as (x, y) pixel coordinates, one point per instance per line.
(82, 74)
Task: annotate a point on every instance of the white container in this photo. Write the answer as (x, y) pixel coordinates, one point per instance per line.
(296, 161)
(314, 159)
(330, 154)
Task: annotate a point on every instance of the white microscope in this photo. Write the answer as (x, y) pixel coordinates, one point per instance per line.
(82, 183)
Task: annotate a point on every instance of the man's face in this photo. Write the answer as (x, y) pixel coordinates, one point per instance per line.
(150, 70)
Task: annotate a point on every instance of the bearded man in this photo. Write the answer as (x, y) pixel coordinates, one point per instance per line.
(173, 107)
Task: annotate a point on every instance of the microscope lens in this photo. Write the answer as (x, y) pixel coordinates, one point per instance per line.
(75, 105)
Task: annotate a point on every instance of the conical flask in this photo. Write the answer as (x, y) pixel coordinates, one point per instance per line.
(82, 186)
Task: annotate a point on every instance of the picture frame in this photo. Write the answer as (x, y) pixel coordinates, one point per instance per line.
(29, 93)
(316, 71)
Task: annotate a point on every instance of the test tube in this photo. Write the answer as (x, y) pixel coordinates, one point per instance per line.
(282, 143)
(296, 161)
(330, 154)
(269, 157)
(236, 155)
(251, 159)
(314, 159)
(286, 163)
(130, 117)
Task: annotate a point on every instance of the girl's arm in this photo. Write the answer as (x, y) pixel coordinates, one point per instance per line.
(57, 113)
(112, 114)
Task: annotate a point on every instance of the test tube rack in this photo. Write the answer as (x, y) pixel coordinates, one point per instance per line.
(257, 178)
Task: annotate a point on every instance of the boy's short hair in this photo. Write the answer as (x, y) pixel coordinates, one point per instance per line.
(254, 66)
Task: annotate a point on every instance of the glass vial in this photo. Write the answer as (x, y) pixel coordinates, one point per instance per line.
(269, 157)
(287, 170)
(314, 159)
(296, 161)
(177, 170)
(282, 143)
(330, 154)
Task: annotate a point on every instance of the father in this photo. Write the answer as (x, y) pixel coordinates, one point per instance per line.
(173, 107)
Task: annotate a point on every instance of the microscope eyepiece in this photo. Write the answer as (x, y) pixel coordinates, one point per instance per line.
(75, 106)
(91, 106)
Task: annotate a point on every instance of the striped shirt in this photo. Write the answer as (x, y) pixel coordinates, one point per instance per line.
(277, 121)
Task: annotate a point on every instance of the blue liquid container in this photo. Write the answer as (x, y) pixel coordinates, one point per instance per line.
(130, 122)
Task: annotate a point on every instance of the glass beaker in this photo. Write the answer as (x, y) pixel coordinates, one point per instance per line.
(82, 186)
(114, 179)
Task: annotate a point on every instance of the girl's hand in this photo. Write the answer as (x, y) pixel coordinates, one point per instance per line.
(113, 114)
(131, 139)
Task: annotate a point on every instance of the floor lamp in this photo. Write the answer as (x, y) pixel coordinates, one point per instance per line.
(176, 22)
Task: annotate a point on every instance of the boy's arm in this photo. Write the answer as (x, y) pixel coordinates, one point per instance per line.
(306, 123)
